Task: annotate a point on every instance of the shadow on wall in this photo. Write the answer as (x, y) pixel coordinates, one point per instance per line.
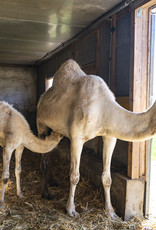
(18, 87)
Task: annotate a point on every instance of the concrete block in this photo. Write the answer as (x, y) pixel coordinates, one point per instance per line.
(127, 196)
(134, 198)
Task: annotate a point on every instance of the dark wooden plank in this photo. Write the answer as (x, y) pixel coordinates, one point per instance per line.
(90, 68)
(113, 49)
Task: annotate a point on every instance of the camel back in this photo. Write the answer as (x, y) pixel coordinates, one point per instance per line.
(7, 111)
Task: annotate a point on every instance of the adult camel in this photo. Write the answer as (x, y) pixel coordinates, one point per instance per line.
(81, 107)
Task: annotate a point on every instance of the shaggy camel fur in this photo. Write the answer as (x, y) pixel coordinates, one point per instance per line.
(15, 134)
(81, 107)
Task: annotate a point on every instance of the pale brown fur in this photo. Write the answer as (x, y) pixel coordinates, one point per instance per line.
(81, 107)
(15, 134)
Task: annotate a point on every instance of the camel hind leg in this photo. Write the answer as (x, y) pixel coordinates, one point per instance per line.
(18, 156)
(76, 149)
(7, 153)
(108, 148)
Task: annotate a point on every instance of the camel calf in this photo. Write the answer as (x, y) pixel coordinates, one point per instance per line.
(15, 134)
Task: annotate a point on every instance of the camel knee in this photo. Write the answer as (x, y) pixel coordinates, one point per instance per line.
(74, 178)
(5, 175)
(106, 180)
(18, 171)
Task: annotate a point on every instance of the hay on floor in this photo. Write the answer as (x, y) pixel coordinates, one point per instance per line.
(33, 212)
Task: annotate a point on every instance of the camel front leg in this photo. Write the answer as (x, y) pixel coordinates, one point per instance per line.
(46, 194)
(18, 156)
(76, 149)
(108, 148)
(42, 133)
(7, 152)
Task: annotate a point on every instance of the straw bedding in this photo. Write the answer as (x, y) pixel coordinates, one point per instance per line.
(33, 212)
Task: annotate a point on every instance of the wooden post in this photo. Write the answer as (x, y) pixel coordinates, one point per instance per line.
(138, 85)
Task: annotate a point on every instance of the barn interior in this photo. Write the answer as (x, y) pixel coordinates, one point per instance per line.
(111, 39)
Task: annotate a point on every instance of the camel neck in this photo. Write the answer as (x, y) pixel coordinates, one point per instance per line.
(38, 145)
(131, 126)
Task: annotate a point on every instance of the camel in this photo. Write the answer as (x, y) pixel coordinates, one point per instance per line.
(82, 107)
(15, 134)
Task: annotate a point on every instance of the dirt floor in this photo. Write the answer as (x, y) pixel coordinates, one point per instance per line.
(33, 212)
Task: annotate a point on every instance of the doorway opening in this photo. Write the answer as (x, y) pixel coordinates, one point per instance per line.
(143, 83)
(48, 83)
(152, 200)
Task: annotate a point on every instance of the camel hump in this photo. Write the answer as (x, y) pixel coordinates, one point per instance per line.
(69, 71)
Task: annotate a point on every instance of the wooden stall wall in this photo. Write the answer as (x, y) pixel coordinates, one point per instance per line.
(85, 49)
(121, 80)
(40, 80)
(50, 68)
(105, 49)
(63, 56)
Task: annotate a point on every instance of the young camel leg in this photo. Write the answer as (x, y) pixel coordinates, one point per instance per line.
(18, 156)
(108, 148)
(76, 149)
(7, 152)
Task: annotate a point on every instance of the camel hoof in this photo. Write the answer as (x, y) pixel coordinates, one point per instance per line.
(20, 195)
(2, 204)
(47, 196)
(73, 214)
(114, 216)
(53, 184)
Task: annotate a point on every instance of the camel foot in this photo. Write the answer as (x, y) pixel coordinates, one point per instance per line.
(113, 215)
(73, 213)
(1, 204)
(53, 184)
(47, 196)
(20, 195)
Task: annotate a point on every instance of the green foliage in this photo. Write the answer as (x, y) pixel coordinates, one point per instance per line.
(153, 150)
